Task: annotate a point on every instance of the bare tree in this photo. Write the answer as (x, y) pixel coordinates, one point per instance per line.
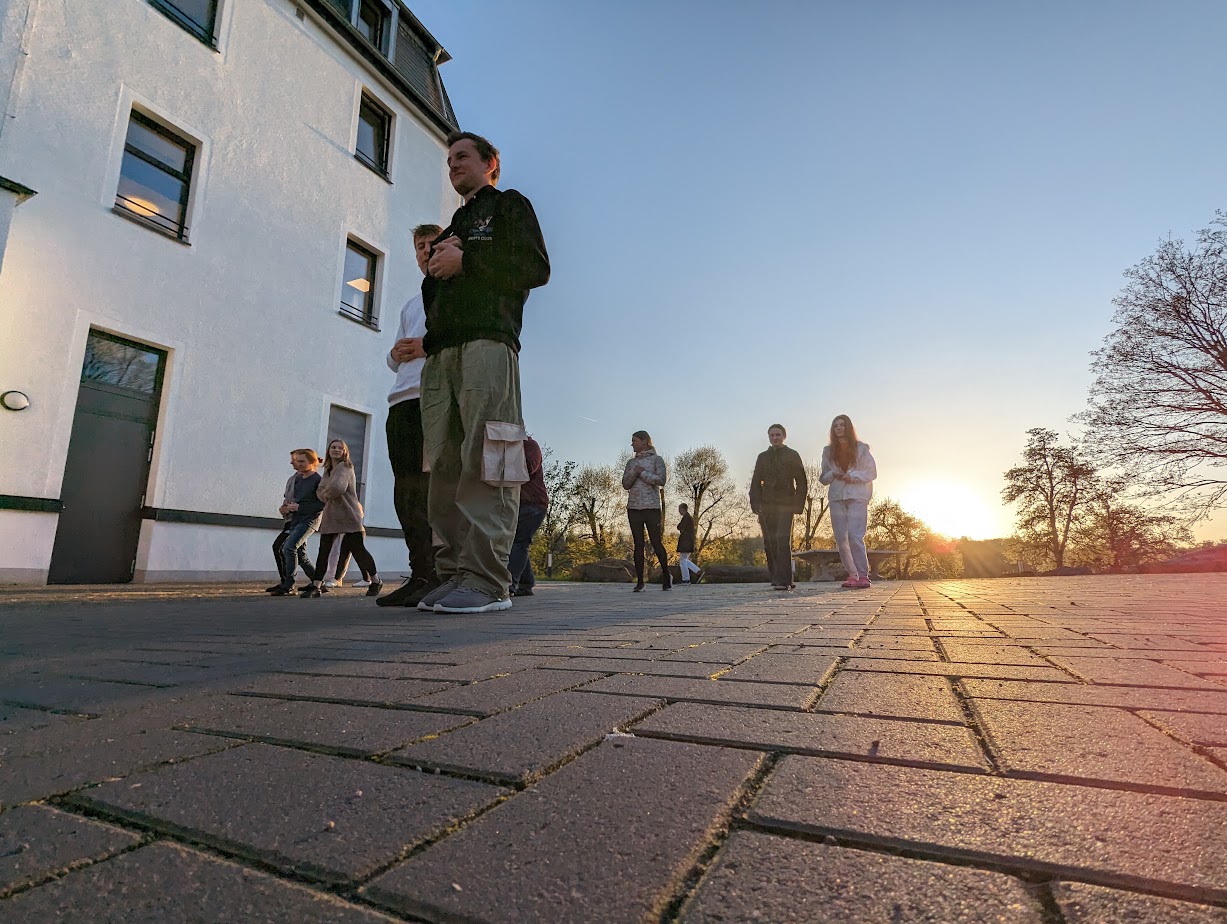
(1158, 405)
(1051, 488)
(560, 486)
(700, 478)
(1118, 534)
(596, 506)
(815, 507)
(920, 550)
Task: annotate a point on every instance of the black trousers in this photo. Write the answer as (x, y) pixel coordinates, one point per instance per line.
(351, 544)
(651, 521)
(411, 485)
(777, 543)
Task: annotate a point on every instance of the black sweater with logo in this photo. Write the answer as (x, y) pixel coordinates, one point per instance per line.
(504, 257)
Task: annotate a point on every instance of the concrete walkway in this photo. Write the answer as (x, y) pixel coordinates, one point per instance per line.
(1038, 751)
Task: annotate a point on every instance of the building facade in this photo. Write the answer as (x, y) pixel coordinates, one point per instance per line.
(205, 214)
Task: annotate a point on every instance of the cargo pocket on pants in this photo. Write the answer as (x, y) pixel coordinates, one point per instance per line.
(502, 455)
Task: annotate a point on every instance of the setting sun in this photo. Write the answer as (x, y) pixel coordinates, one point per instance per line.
(954, 509)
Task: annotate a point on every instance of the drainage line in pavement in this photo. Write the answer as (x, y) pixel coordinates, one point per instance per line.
(689, 883)
(58, 873)
(1035, 871)
(53, 710)
(364, 703)
(154, 831)
(969, 713)
(825, 681)
(814, 752)
(241, 739)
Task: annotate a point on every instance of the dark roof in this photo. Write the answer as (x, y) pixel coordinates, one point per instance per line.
(413, 63)
(23, 192)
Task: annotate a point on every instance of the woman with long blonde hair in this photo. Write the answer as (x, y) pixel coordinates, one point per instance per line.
(848, 468)
(342, 517)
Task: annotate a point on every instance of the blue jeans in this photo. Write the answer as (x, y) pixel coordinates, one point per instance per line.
(303, 561)
(296, 538)
(530, 520)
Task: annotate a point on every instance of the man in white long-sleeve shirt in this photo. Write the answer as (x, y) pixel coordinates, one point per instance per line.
(405, 451)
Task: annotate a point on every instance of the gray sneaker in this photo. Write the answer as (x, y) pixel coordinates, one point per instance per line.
(427, 603)
(471, 600)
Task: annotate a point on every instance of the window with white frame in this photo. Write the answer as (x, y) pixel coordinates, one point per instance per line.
(374, 135)
(155, 177)
(199, 17)
(358, 284)
(372, 21)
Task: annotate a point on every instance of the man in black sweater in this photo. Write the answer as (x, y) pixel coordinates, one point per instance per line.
(481, 269)
(777, 493)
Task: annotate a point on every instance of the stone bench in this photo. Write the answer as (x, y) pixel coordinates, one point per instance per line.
(827, 566)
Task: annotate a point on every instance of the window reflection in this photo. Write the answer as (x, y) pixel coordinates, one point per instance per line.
(123, 365)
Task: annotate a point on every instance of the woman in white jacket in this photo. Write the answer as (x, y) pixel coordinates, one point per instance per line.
(849, 470)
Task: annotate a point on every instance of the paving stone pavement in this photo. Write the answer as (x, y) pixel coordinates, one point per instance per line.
(1021, 751)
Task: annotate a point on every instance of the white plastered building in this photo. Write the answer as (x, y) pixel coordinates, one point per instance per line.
(205, 214)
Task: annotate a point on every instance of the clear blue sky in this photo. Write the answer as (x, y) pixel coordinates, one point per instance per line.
(913, 213)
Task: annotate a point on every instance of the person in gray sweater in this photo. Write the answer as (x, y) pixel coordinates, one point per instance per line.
(643, 478)
(338, 489)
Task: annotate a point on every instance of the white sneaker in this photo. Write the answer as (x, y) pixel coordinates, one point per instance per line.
(332, 583)
(363, 583)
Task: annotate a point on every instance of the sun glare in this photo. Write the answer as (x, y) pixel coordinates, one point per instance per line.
(953, 509)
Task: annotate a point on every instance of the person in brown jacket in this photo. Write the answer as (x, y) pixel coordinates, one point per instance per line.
(342, 517)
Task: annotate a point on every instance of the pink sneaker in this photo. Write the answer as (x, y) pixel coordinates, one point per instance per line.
(851, 583)
(863, 582)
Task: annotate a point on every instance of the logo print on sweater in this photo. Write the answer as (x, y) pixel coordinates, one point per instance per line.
(481, 230)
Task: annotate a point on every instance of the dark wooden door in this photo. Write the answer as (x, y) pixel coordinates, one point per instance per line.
(107, 470)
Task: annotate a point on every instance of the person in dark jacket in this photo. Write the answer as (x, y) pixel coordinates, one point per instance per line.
(304, 509)
(534, 503)
(690, 572)
(304, 561)
(481, 269)
(777, 493)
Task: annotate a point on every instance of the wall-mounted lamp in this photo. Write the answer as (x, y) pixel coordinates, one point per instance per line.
(14, 400)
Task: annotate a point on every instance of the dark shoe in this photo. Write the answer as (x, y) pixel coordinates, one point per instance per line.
(666, 584)
(522, 592)
(311, 591)
(409, 593)
(281, 591)
(428, 601)
(639, 587)
(273, 589)
(374, 589)
(696, 576)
